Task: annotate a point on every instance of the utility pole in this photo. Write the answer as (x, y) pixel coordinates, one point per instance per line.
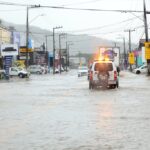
(145, 22)
(66, 56)
(54, 47)
(48, 58)
(46, 42)
(27, 33)
(53, 51)
(130, 43)
(124, 47)
(60, 55)
(69, 53)
(146, 34)
(79, 58)
(27, 36)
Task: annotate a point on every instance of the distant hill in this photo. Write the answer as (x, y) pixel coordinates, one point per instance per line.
(81, 43)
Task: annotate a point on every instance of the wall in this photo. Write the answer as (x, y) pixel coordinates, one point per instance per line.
(5, 35)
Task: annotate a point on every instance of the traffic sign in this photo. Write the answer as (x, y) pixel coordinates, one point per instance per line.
(131, 58)
(24, 50)
(147, 50)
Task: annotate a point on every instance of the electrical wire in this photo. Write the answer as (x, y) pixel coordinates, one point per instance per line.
(104, 26)
(69, 8)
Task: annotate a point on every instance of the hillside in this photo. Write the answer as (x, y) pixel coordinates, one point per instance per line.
(81, 43)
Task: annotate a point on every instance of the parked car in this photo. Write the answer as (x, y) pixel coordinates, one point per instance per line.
(37, 69)
(141, 69)
(82, 71)
(20, 72)
(96, 74)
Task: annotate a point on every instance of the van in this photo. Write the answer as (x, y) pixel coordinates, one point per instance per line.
(97, 68)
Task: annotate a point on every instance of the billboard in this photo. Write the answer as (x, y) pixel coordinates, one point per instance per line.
(147, 50)
(9, 49)
(16, 38)
(143, 55)
(131, 58)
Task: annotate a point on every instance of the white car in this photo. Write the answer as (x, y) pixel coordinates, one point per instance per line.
(20, 72)
(82, 71)
(96, 72)
(141, 69)
(37, 69)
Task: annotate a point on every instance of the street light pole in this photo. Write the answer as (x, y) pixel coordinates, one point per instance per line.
(124, 47)
(60, 53)
(146, 34)
(145, 22)
(27, 33)
(54, 47)
(60, 35)
(130, 43)
(69, 53)
(46, 42)
(66, 55)
(36, 17)
(27, 36)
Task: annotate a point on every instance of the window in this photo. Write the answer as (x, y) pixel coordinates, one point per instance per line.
(103, 67)
(12, 69)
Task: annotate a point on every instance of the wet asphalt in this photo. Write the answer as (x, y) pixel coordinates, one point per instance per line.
(59, 112)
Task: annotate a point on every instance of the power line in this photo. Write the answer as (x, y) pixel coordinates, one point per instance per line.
(12, 4)
(94, 10)
(95, 28)
(71, 8)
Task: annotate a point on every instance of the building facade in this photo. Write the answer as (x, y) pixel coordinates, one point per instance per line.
(5, 35)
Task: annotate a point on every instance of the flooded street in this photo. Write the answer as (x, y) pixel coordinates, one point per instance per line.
(59, 112)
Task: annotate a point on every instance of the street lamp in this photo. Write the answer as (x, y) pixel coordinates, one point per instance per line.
(60, 36)
(54, 47)
(36, 18)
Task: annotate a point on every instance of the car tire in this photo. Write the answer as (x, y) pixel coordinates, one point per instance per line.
(21, 75)
(113, 86)
(138, 72)
(38, 72)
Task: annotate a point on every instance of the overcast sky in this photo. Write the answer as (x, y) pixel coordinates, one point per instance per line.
(108, 25)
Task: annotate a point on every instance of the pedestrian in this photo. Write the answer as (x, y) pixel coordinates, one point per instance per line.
(118, 70)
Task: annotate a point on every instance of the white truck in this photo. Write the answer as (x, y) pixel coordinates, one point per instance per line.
(15, 71)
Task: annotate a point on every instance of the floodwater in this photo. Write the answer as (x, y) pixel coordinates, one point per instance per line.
(59, 112)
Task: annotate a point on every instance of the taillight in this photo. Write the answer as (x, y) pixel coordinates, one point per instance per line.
(91, 75)
(115, 75)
